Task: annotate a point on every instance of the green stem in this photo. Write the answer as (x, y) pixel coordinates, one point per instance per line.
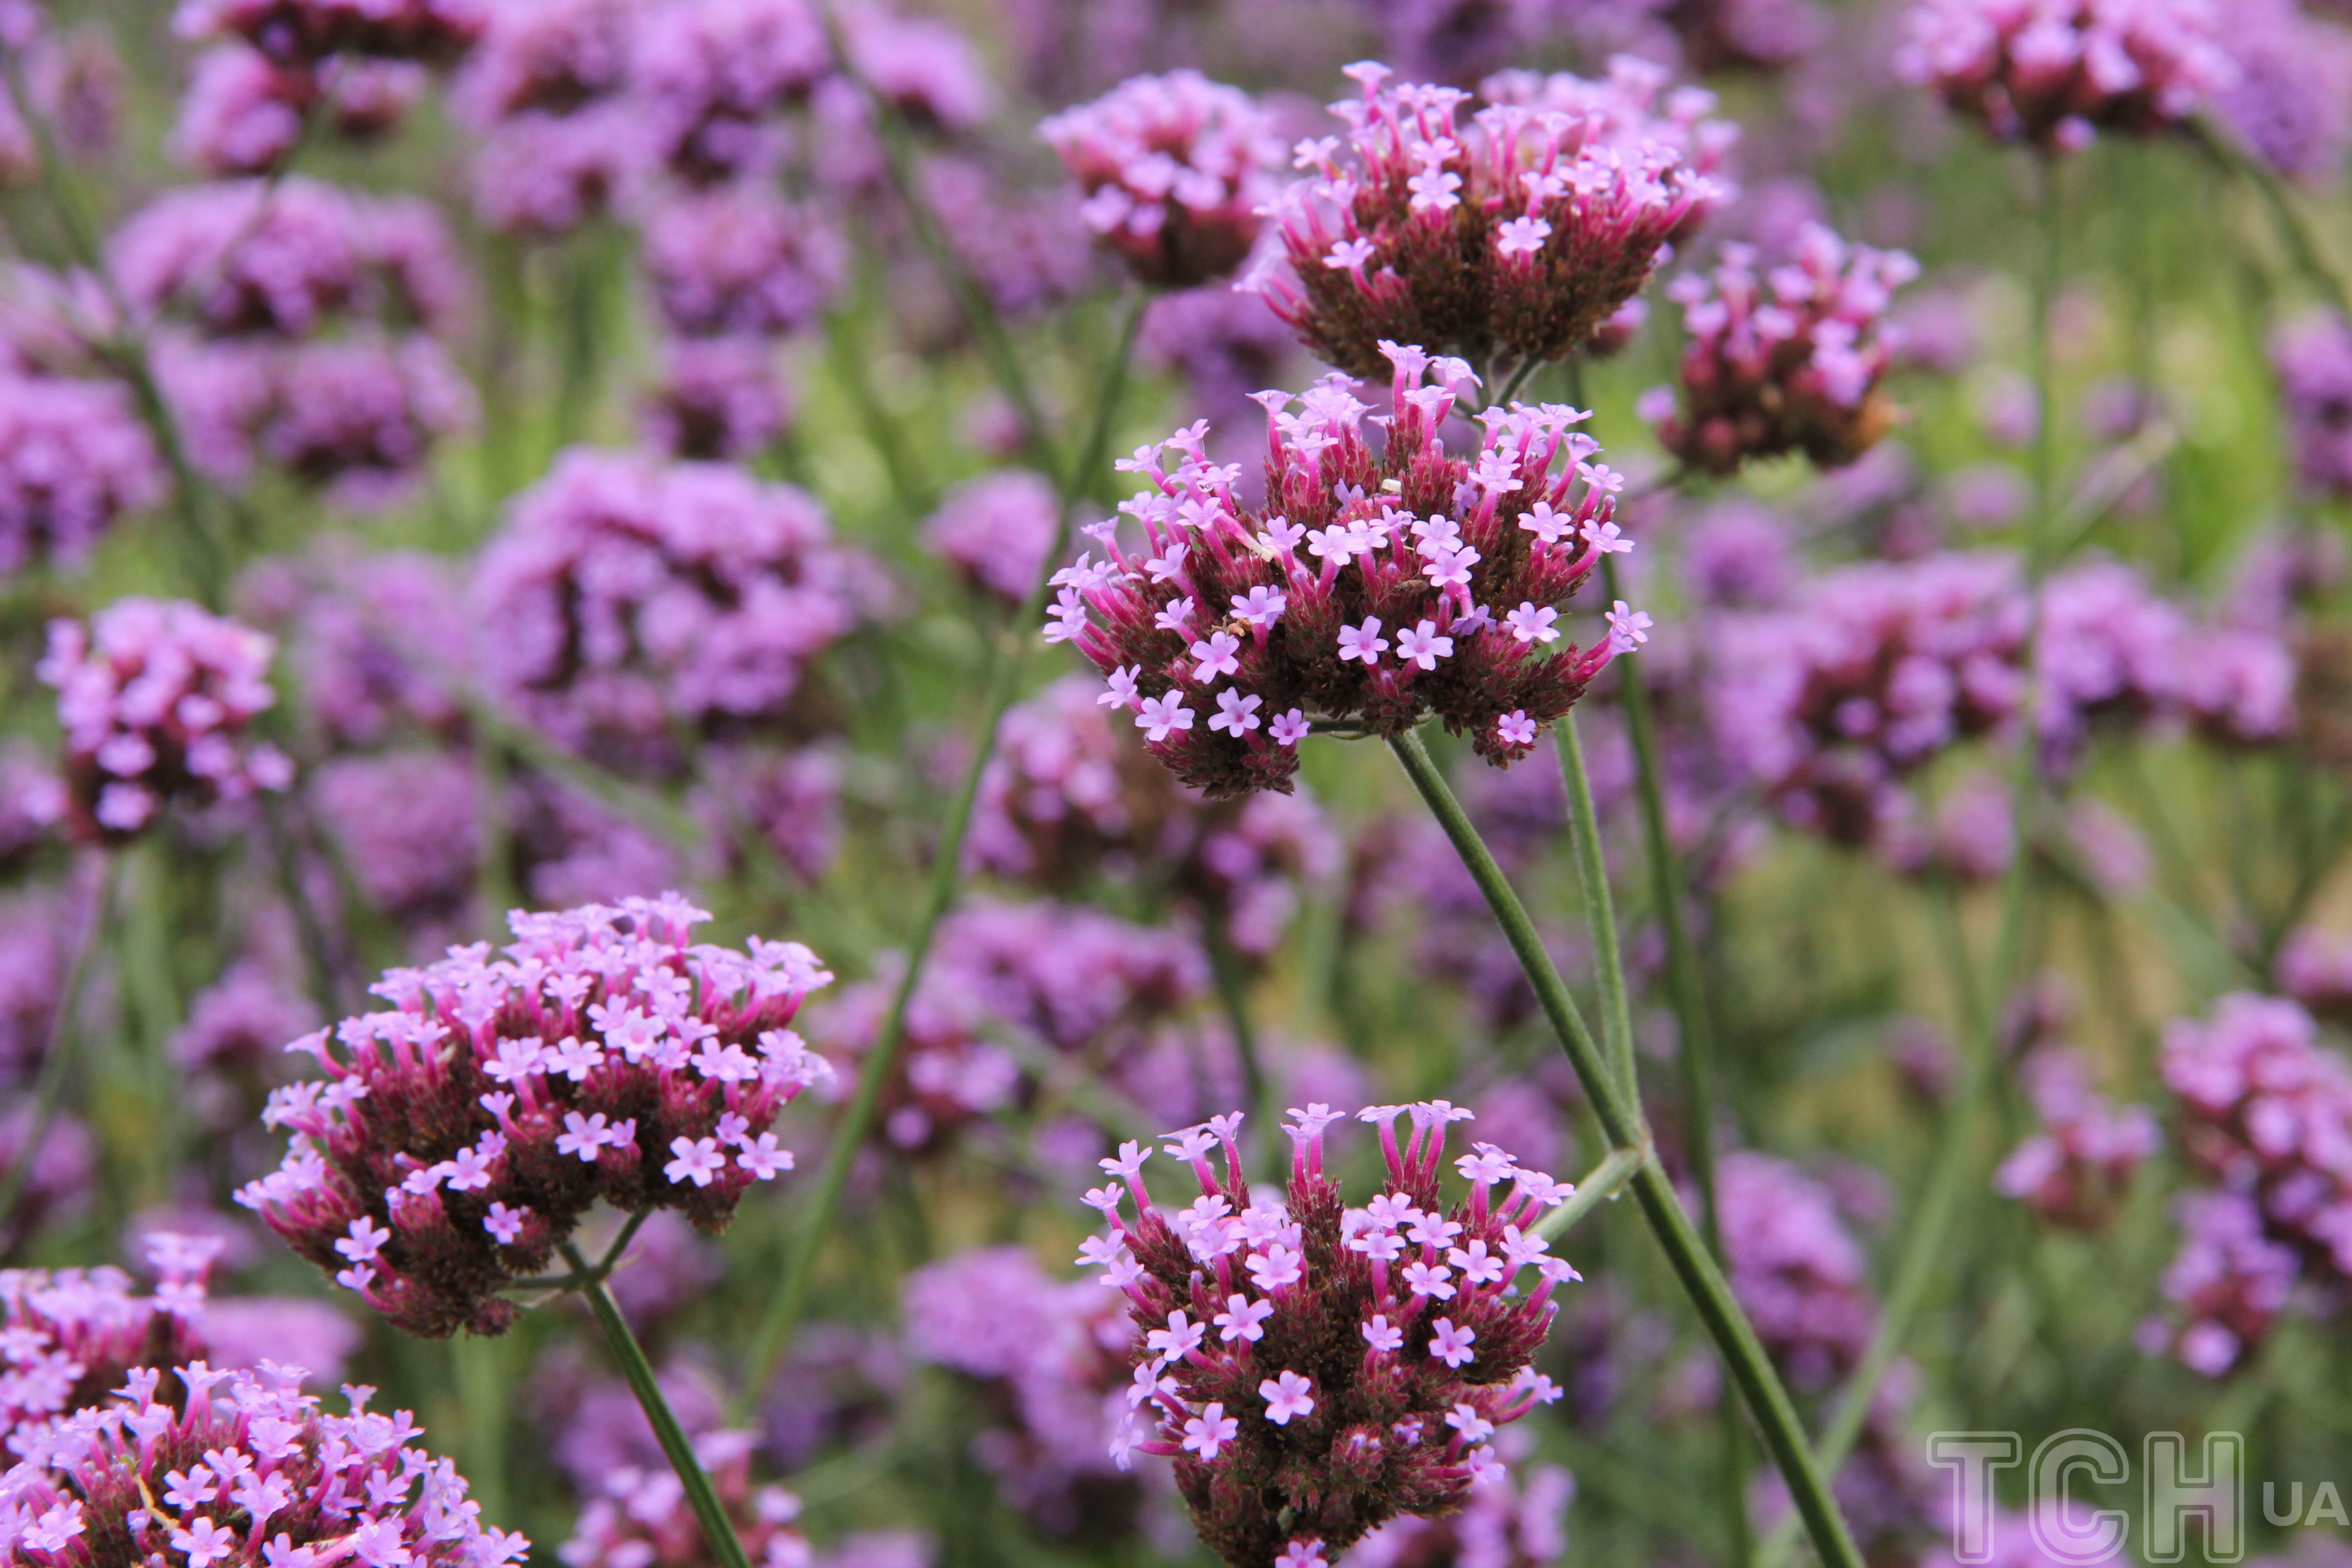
(1597, 1186)
(1620, 1121)
(49, 1088)
(1226, 967)
(1600, 910)
(699, 1494)
(1006, 662)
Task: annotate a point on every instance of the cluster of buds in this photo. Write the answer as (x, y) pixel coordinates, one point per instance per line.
(2074, 1171)
(303, 33)
(155, 697)
(238, 1468)
(1372, 588)
(1316, 1369)
(2268, 1115)
(1065, 799)
(1510, 240)
(1177, 170)
(2056, 72)
(472, 1126)
(68, 1338)
(1787, 360)
(640, 1517)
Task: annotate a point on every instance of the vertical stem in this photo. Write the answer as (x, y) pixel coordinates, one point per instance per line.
(485, 1374)
(1003, 683)
(48, 1088)
(1599, 909)
(1620, 1116)
(699, 1494)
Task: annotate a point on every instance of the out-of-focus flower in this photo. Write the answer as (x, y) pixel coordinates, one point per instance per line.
(1787, 359)
(305, 32)
(2313, 357)
(711, 75)
(1770, 34)
(155, 697)
(74, 458)
(1510, 240)
(375, 641)
(471, 1126)
(790, 800)
(409, 824)
(70, 1336)
(1511, 1521)
(1055, 1353)
(2057, 72)
(717, 400)
(641, 1519)
(1177, 170)
(2315, 967)
(2074, 1171)
(1795, 1269)
(262, 1460)
(1065, 798)
(736, 261)
(244, 114)
(546, 175)
(2267, 1112)
(283, 258)
(1429, 584)
(1315, 1370)
(1226, 343)
(997, 530)
(627, 596)
(290, 1330)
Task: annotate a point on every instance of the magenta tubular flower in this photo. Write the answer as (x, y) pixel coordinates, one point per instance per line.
(248, 1472)
(2267, 1113)
(1065, 799)
(1786, 361)
(303, 33)
(69, 1336)
(640, 1517)
(155, 697)
(717, 400)
(1316, 1371)
(1369, 589)
(2313, 357)
(2073, 1172)
(1508, 240)
(630, 596)
(465, 1132)
(74, 458)
(1052, 1357)
(248, 258)
(1176, 168)
(2056, 72)
(736, 261)
(997, 530)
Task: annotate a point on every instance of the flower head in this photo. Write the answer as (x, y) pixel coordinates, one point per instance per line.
(479, 1091)
(155, 697)
(1402, 1389)
(1385, 615)
(1176, 169)
(306, 32)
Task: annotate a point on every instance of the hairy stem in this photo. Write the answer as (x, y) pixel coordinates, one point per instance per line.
(700, 1493)
(1620, 1121)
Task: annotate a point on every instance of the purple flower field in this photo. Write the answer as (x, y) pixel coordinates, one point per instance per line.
(1088, 783)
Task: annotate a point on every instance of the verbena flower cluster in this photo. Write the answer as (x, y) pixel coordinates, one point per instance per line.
(641, 1519)
(463, 1134)
(2074, 1171)
(2267, 1116)
(1506, 1522)
(998, 530)
(1458, 565)
(1316, 1370)
(70, 1336)
(1065, 799)
(628, 598)
(74, 459)
(155, 698)
(2057, 72)
(1506, 240)
(1783, 358)
(2313, 357)
(237, 1468)
(305, 32)
(244, 113)
(1177, 170)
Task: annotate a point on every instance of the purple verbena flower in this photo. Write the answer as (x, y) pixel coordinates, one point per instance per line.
(2056, 72)
(305, 32)
(1508, 240)
(1511, 1521)
(1177, 170)
(602, 1056)
(1403, 1320)
(711, 76)
(717, 399)
(74, 458)
(243, 114)
(249, 1467)
(1783, 358)
(155, 697)
(2073, 1172)
(1248, 619)
(736, 261)
(997, 530)
(640, 1517)
(69, 1336)
(2313, 357)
